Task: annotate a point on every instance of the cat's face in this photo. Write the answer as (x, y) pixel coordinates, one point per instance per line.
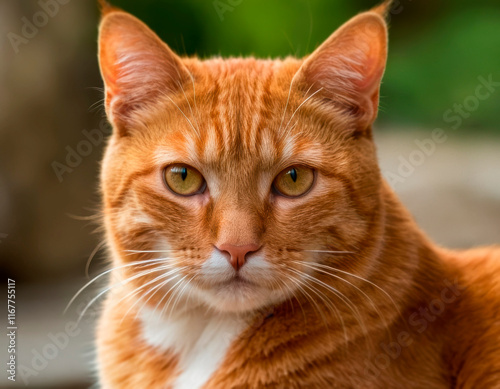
(238, 173)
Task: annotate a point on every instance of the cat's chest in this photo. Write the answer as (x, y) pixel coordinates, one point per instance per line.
(199, 340)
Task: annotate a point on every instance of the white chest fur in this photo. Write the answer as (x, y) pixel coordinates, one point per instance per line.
(200, 340)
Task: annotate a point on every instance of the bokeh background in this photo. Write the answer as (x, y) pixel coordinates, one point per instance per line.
(51, 93)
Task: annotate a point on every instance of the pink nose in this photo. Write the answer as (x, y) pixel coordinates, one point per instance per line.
(237, 254)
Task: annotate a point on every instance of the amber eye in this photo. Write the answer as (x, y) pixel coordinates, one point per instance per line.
(184, 180)
(294, 181)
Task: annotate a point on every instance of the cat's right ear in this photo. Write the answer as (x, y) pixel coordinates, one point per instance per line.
(136, 66)
(346, 70)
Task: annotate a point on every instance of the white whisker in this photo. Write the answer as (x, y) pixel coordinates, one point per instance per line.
(189, 121)
(155, 288)
(121, 283)
(340, 295)
(364, 280)
(136, 263)
(311, 266)
(92, 255)
(181, 293)
(305, 101)
(165, 295)
(329, 305)
(328, 251)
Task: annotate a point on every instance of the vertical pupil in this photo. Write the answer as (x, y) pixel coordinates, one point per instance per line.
(293, 174)
(184, 173)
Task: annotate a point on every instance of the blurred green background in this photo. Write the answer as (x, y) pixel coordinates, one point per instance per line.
(437, 48)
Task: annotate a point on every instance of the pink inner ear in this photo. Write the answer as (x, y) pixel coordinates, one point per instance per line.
(371, 76)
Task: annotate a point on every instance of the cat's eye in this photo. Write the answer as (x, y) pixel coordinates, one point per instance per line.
(184, 180)
(294, 181)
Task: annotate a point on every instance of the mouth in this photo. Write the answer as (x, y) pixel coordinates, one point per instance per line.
(236, 294)
(237, 281)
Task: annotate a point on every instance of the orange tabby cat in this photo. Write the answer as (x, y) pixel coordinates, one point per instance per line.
(254, 241)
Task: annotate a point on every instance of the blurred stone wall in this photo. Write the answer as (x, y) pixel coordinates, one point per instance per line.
(48, 76)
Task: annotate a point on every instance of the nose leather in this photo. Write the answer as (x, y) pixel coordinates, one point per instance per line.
(237, 254)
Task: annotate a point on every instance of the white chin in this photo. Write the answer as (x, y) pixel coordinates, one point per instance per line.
(237, 297)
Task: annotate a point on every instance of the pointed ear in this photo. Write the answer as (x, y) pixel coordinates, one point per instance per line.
(137, 67)
(349, 65)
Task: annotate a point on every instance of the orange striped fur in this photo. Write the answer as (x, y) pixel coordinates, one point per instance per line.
(342, 289)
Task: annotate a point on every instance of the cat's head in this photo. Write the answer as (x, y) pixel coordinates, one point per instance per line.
(239, 175)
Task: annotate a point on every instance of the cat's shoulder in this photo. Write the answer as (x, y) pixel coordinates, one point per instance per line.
(478, 272)
(480, 268)
(477, 319)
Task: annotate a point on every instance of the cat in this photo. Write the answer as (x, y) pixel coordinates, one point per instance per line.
(253, 240)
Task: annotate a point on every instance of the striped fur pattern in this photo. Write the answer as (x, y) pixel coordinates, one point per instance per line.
(332, 297)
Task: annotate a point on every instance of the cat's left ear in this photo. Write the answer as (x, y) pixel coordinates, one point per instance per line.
(347, 68)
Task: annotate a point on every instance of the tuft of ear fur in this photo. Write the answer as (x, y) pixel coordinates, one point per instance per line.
(384, 8)
(348, 67)
(136, 66)
(105, 7)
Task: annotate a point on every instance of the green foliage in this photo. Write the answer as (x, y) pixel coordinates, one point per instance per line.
(437, 51)
(439, 66)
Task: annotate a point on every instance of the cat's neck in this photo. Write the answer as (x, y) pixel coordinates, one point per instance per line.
(407, 254)
(409, 267)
